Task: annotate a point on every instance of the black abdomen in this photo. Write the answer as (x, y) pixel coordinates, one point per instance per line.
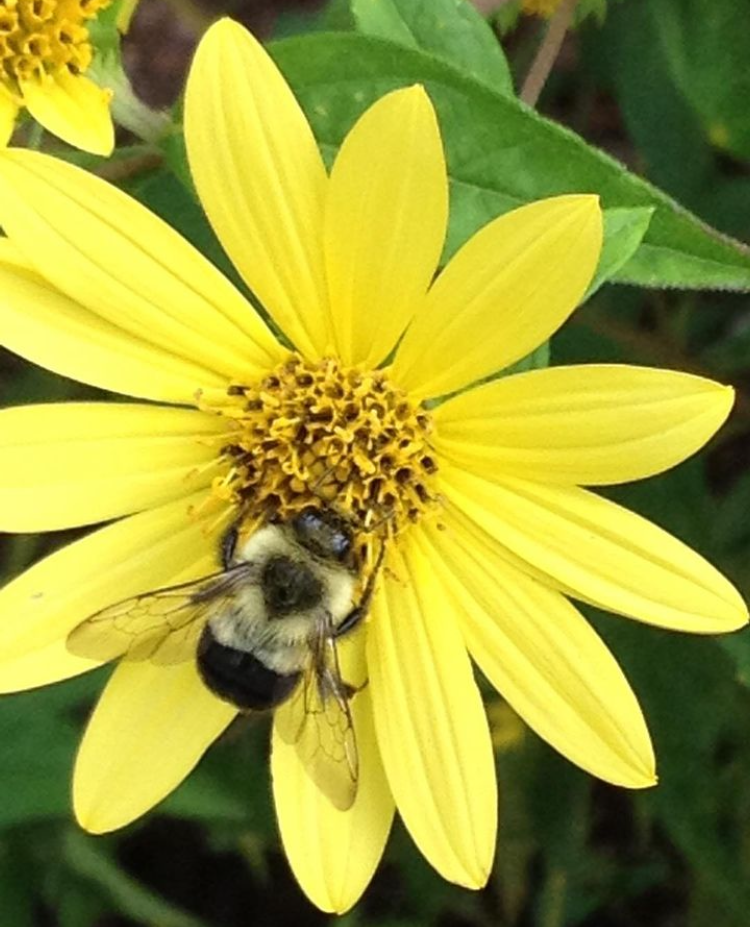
(239, 677)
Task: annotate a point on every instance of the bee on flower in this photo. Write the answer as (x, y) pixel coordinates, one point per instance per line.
(45, 52)
(349, 472)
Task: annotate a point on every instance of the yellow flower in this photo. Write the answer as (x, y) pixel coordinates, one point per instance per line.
(44, 52)
(476, 498)
(543, 8)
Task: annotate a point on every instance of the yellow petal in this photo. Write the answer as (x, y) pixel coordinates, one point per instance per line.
(600, 552)
(430, 721)
(51, 663)
(260, 178)
(46, 327)
(104, 250)
(504, 293)
(386, 215)
(542, 656)
(73, 108)
(587, 424)
(147, 551)
(12, 258)
(149, 730)
(69, 464)
(8, 113)
(334, 854)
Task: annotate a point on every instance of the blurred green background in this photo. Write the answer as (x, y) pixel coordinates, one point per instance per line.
(664, 86)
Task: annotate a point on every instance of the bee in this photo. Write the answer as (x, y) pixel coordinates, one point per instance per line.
(263, 632)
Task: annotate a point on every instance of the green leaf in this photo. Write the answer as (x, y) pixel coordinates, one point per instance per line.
(688, 694)
(16, 890)
(449, 29)
(545, 806)
(737, 646)
(41, 738)
(623, 233)
(707, 44)
(77, 906)
(658, 117)
(538, 358)
(88, 859)
(730, 523)
(501, 154)
(689, 699)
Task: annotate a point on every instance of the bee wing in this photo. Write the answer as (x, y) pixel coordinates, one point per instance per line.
(318, 721)
(162, 626)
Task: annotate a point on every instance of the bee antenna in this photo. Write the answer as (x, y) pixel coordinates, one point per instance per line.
(321, 481)
(381, 521)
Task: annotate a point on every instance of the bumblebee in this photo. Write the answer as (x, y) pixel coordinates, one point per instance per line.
(263, 631)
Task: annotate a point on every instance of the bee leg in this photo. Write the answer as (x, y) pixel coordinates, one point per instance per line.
(359, 611)
(351, 621)
(350, 690)
(228, 546)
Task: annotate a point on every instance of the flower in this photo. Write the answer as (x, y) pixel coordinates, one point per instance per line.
(476, 498)
(44, 52)
(543, 8)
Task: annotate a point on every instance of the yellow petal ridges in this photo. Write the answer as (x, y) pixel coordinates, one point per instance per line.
(509, 288)
(260, 178)
(333, 854)
(43, 325)
(430, 722)
(592, 425)
(600, 552)
(110, 459)
(120, 261)
(73, 108)
(542, 656)
(386, 214)
(149, 729)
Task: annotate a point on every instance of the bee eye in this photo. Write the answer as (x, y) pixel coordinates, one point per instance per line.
(323, 533)
(340, 545)
(308, 521)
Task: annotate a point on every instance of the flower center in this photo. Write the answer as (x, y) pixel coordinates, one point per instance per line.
(321, 434)
(42, 37)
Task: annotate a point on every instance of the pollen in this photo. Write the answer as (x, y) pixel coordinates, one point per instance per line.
(40, 38)
(312, 434)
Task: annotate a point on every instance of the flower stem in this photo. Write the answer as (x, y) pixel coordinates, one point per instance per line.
(548, 51)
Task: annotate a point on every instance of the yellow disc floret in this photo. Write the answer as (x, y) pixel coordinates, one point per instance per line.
(39, 38)
(325, 434)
